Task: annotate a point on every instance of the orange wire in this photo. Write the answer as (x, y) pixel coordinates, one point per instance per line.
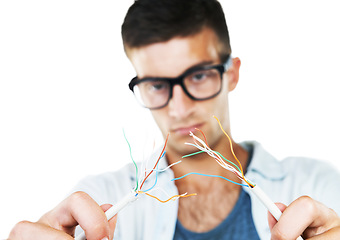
(192, 194)
(205, 139)
(232, 151)
(166, 140)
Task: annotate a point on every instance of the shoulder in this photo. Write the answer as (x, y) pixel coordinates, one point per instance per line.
(269, 166)
(292, 177)
(308, 167)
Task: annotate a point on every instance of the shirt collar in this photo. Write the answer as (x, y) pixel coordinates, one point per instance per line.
(263, 165)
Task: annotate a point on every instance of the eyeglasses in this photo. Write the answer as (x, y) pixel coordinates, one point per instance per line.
(199, 83)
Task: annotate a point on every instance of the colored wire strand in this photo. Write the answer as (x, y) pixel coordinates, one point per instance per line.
(132, 160)
(217, 157)
(173, 197)
(205, 139)
(208, 175)
(232, 151)
(192, 154)
(156, 161)
(220, 159)
(206, 142)
(155, 177)
(155, 169)
(162, 170)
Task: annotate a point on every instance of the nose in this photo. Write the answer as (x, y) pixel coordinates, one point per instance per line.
(180, 105)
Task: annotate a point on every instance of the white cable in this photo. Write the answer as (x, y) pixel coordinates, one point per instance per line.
(268, 203)
(129, 198)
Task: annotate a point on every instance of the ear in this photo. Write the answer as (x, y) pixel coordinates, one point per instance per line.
(233, 74)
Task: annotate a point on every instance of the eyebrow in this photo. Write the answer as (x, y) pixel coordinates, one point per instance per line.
(192, 67)
(200, 64)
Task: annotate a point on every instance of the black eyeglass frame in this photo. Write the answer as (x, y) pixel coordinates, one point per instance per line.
(221, 68)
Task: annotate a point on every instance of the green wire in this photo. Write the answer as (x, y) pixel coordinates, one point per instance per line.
(191, 154)
(228, 161)
(132, 160)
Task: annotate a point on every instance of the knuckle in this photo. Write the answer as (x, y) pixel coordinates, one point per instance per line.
(96, 223)
(276, 234)
(308, 205)
(19, 229)
(333, 213)
(335, 216)
(78, 197)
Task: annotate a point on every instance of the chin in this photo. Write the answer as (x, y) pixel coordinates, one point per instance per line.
(180, 148)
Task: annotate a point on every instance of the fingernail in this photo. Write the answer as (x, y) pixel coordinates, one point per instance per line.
(105, 238)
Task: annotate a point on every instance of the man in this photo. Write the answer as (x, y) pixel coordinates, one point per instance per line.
(182, 56)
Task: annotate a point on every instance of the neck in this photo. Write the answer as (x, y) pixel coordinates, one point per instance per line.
(215, 196)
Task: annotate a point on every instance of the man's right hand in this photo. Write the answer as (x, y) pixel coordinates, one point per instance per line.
(60, 223)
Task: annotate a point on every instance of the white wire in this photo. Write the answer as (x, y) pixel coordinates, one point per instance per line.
(268, 203)
(212, 154)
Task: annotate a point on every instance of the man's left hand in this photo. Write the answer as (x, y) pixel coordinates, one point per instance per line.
(305, 217)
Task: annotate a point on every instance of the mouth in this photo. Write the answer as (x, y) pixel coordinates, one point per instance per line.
(185, 130)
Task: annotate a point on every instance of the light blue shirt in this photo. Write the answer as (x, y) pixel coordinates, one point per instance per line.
(283, 181)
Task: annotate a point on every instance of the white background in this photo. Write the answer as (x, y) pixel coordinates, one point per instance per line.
(64, 98)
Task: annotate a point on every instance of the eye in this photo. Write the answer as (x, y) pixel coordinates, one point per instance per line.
(199, 76)
(158, 86)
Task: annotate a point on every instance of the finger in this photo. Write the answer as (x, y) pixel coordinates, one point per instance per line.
(27, 230)
(325, 221)
(112, 221)
(294, 220)
(79, 208)
(271, 220)
(304, 215)
(112, 226)
(332, 234)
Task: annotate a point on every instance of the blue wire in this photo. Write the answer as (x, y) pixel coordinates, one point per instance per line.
(207, 175)
(156, 170)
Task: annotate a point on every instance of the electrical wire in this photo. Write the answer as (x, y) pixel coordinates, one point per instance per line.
(215, 156)
(206, 142)
(208, 175)
(138, 188)
(164, 169)
(232, 151)
(196, 153)
(132, 160)
(203, 146)
(155, 177)
(166, 140)
(173, 197)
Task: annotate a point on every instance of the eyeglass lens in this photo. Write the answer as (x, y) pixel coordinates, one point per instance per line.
(200, 85)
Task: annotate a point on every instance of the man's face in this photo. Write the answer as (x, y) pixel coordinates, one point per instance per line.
(182, 114)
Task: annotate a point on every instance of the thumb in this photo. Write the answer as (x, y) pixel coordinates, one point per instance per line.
(271, 220)
(112, 221)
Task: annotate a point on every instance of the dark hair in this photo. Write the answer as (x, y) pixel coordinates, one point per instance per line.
(153, 21)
